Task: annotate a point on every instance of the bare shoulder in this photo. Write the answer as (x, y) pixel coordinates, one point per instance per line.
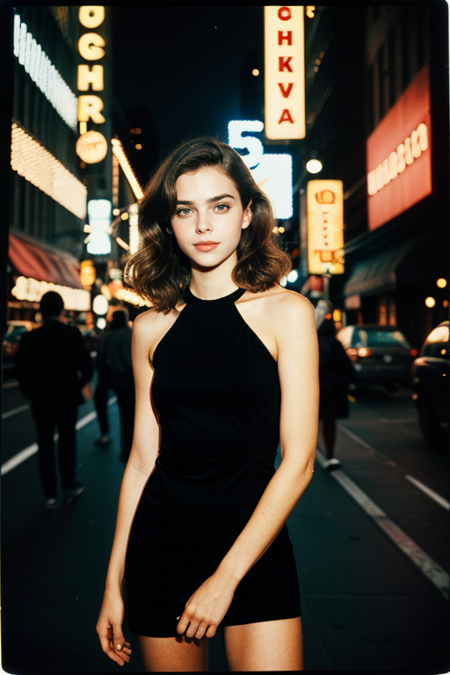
(282, 305)
(150, 325)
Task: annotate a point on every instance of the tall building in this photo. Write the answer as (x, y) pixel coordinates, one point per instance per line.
(377, 108)
(48, 197)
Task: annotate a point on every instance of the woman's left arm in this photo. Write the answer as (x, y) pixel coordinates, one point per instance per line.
(296, 338)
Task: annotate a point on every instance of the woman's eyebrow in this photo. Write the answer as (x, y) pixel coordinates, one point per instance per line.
(187, 202)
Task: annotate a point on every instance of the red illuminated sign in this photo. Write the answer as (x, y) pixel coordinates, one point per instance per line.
(399, 154)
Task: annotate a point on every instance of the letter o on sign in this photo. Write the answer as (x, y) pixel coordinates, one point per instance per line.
(91, 16)
(284, 13)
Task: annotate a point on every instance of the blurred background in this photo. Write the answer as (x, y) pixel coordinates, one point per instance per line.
(99, 95)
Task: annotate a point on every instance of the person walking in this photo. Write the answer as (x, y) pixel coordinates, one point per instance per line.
(336, 374)
(225, 364)
(53, 365)
(115, 370)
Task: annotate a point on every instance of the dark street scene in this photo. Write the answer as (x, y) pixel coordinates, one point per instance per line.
(338, 115)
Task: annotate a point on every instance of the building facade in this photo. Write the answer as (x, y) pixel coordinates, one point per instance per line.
(47, 195)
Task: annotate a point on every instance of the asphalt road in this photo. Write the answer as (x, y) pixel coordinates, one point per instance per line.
(371, 544)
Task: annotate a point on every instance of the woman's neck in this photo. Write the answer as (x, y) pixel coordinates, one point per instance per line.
(210, 283)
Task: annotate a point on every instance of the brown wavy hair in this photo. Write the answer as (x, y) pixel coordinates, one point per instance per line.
(160, 272)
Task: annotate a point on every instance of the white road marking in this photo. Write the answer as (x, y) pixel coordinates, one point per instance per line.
(434, 573)
(10, 383)
(428, 491)
(15, 411)
(33, 448)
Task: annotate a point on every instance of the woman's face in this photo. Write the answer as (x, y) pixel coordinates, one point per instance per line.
(209, 217)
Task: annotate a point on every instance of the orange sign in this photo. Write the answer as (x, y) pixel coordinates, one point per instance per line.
(399, 154)
(325, 218)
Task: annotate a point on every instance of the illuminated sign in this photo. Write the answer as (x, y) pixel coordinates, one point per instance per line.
(99, 240)
(272, 172)
(44, 74)
(399, 154)
(119, 152)
(87, 273)
(284, 74)
(32, 290)
(37, 165)
(134, 235)
(91, 47)
(325, 226)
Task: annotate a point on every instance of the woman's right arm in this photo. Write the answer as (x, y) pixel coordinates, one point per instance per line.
(139, 467)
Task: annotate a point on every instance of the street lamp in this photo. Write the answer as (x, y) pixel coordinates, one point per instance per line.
(314, 164)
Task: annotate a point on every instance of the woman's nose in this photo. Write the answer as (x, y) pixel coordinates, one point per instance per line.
(203, 224)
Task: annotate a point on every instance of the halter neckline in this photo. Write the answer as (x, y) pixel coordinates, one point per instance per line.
(192, 299)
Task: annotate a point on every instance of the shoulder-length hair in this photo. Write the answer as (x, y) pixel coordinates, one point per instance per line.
(160, 272)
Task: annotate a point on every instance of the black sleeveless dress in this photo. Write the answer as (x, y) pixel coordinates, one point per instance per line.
(217, 392)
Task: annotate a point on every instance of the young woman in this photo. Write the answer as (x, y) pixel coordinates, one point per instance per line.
(226, 367)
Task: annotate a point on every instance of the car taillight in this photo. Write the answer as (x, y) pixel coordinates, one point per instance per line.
(352, 353)
(414, 352)
(363, 351)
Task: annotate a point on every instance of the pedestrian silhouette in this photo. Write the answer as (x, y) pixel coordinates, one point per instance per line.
(115, 371)
(336, 373)
(53, 365)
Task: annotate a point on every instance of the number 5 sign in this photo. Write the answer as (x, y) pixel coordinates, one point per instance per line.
(272, 172)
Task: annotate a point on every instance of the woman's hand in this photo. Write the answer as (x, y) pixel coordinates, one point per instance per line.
(109, 629)
(206, 607)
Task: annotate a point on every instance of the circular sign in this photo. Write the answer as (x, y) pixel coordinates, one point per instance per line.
(91, 147)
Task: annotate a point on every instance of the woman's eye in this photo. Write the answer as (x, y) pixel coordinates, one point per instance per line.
(183, 212)
(222, 207)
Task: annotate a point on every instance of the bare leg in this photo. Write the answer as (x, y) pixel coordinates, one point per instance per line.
(173, 655)
(269, 645)
(329, 436)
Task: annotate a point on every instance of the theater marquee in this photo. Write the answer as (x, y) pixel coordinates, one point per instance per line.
(399, 154)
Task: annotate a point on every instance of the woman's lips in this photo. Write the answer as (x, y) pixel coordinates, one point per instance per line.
(206, 245)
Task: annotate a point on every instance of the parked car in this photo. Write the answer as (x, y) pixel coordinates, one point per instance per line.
(14, 332)
(431, 381)
(380, 354)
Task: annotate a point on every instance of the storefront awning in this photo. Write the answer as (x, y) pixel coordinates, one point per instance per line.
(43, 262)
(377, 273)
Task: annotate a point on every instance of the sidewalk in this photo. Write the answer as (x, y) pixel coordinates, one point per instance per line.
(365, 606)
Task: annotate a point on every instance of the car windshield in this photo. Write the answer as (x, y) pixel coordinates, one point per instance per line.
(379, 338)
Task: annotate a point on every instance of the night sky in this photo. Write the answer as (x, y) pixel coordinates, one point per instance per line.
(184, 64)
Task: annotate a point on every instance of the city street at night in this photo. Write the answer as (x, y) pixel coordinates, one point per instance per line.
(366, 604)
(225, 243)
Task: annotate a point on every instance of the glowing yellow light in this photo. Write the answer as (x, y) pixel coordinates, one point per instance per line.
(32, 290)
(116, 212)
(124, 215)
(38, 166)
(138, 146)
(337, 315)
(128, 295)
(445, 303)
(255, 72)
(126, 168)
(314, 166)
(122, 243)
(281, 229)
(441, 283)
(275, 229)
(430, 302)
(443, 352)
(83, 128)
(138, 131)
(91, 147)
(134, 235)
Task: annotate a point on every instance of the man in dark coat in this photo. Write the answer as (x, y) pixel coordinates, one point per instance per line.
(53, 364)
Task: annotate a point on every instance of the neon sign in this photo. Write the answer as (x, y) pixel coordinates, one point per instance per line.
(284, 84)
(272, 172)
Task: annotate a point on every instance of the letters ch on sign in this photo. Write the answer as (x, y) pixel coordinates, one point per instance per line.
(91, 47)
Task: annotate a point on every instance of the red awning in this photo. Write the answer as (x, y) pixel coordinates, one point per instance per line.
(43, 262)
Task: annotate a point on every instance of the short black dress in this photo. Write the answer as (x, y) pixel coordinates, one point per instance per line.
(217, 391)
